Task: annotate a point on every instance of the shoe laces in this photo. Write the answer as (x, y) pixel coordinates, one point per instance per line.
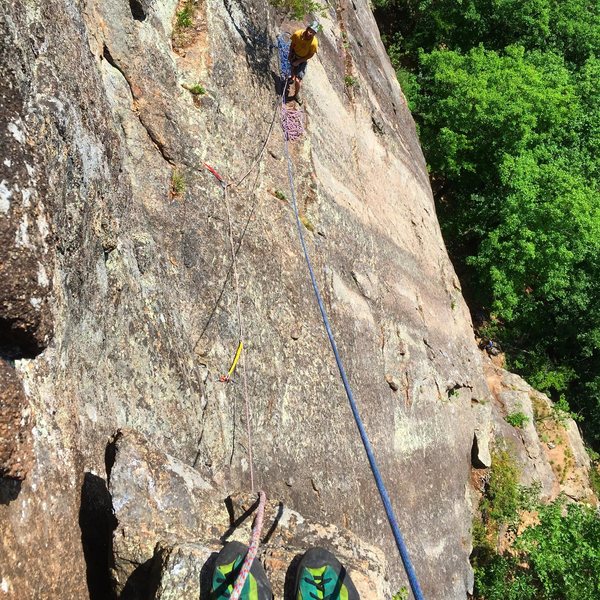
(223, 583)
(319, 582)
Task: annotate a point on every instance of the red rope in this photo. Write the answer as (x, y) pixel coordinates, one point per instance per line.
(252, 548)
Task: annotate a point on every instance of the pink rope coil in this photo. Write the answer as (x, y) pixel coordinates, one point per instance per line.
(252, 548)
(292, 123)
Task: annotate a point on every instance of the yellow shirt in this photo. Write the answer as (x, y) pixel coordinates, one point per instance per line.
(302, 48)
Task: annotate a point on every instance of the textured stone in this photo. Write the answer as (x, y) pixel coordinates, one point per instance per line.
(480, 453)
(170, 522)
(154, 499)
(142, 302)
(25, 263)
(16, 452)
(179, 571)
(547, 452)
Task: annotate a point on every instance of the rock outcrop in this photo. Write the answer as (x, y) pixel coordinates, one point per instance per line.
(170, 523)
(118, 294)
(15, 427)
(545, 444)
(25, 317)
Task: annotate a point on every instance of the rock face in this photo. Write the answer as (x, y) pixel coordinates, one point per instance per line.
(170, 523)
(547, 448)
(15, 427)
(129, 255)
(25, 320)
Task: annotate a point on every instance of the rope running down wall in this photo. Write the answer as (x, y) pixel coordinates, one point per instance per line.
(408, 567)
(258, 523)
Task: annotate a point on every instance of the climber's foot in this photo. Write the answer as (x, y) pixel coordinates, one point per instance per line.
(321, 575)
(228, 565)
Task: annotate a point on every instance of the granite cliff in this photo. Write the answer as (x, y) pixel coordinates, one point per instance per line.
(118, 304)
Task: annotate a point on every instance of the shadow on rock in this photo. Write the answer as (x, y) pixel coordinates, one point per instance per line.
(97, 522)
(273, 527)
(290, 578)
(233, 522)
(142, 583)
(206, 575)
(9, 490)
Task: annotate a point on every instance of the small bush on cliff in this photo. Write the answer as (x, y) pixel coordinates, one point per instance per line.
(177, 183)
(185, 16)
(501, 503)
(555, 557)
(595, 478)
(559, 412)
(299, 9)
(517, 419)
(197, 89)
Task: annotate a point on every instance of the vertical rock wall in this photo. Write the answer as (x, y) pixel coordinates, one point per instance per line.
(138, 286)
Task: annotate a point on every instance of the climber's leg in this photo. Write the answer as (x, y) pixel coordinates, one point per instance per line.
(300, 72)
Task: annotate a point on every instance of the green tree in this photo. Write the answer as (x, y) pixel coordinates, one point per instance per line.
(505, 93)
(556, 559)
(569, 27)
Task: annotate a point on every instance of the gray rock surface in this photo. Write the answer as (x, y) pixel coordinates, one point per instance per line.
(179, 571)
(154, 499)
(25, 260)
(16, 451)
(548, 452)
(170, 522)
(139, 294)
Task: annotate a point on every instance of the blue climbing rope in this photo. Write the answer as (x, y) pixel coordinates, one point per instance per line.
(284, 51)
(408, 567)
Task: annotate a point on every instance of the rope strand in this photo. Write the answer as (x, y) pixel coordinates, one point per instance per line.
(241, 335)
(252, 548)
(408, 567)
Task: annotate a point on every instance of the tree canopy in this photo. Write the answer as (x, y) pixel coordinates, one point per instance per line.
(505, 94)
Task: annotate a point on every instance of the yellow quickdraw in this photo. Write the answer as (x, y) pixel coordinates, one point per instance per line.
(236, 358)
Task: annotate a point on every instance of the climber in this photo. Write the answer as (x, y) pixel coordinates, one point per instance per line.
(303, 46)
(319, 575)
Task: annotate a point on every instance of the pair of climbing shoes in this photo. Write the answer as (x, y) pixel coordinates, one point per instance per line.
(320, 576)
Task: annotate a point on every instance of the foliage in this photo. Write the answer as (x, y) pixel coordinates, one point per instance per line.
(350, 81)
(299, 9)
(401, 594)
(503, 493)
(197, 89)
(529, 496)
(595, 478)
(517, 419)
(307, 223)
(505, 96)
(559, 412)
(570, 27)
(177, 183)
(409, 84)
(280, 195)
(558, 558)
(185, 16)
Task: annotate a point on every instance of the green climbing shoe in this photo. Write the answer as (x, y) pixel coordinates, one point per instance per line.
(321, 576)
(228, 565)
